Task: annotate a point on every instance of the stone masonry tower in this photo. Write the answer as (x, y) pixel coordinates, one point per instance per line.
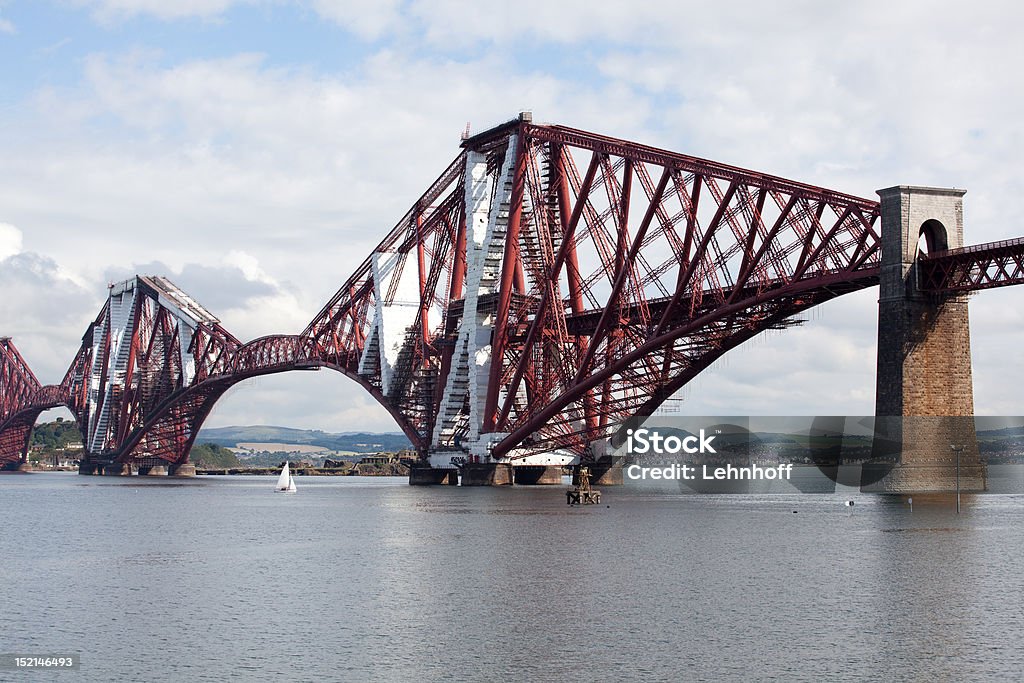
(924, 400)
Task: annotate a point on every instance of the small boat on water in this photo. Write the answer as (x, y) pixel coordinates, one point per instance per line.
(285, 482)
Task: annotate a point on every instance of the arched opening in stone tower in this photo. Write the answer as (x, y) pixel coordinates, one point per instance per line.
(932, 237)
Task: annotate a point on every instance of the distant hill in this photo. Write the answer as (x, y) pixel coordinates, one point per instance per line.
(212, 455)
(57, 434)
(357, 442)
(1005, 432)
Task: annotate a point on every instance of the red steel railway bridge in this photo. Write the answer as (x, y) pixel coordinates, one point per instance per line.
(549, 287)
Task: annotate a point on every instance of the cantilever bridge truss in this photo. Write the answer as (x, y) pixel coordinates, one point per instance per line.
(549, 286)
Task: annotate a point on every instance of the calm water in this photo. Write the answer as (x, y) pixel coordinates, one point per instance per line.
(371, 579)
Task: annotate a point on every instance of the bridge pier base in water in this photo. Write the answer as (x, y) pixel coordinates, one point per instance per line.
(924, 397)
(931, 478)
(117, 469)
(928, 449)
(487, 474)
(183, 470)
(154, 471)
(424, 475)
(538, 475)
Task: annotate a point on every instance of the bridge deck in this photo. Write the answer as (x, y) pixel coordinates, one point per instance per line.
(975, 267)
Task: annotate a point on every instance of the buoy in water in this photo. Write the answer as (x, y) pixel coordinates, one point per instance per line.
(848, 503)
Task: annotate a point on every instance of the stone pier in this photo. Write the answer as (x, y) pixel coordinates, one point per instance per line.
(183, 470)
(924, 396)
(117, 469)
(424, 475)
(487, 474)
(534, 475)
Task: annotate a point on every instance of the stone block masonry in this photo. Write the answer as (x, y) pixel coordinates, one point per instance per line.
(924, 350)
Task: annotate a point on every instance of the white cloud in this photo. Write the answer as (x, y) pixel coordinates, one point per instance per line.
(109, 10)
(304, 171)
(6, 26)
(305, 400)
(826, 366)
(247, 301)
(453, 22)
(367, 19)
(43, 311)
(10, 241)
(248, 264)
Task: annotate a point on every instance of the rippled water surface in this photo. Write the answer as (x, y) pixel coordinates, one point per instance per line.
(371, 579)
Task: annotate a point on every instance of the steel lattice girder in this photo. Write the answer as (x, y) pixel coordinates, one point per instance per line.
(981, 266)
(22, 399)
(18, 385)
(657, 241)
(607, 275)
(150, 343)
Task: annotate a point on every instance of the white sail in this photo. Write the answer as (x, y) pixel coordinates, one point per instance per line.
(291, 484)
(284, 482)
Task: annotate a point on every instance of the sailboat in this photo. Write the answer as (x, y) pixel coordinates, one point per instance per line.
(285, 482)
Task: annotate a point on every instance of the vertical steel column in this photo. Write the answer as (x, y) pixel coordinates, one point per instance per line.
(508, 268)
(566, 248)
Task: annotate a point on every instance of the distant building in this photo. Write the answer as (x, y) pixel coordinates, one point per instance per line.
(328, 462)
(62, 461)
(378, 459)
(408, 457)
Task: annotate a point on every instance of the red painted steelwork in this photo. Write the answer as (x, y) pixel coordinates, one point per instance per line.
(617, 286)
(981, 266)
(668, 278)
(22, 399)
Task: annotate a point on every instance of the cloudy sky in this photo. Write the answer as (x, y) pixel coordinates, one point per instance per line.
(254, 151)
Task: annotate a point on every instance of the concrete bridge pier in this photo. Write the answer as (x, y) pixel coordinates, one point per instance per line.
(487, 474)
(185, 469)
(154, 471)
(924, 399)
(117, 469)
(537, 475)
(425, 475)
